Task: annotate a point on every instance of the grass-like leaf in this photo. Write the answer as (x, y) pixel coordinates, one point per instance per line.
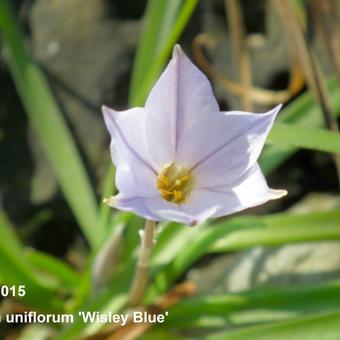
(288, 302)
(245, 232)
(277, 229)
(164, 21)
(305, 138)
(61, 273)
(302, 112)
(16, 270)
(50, 126)
(316, 327)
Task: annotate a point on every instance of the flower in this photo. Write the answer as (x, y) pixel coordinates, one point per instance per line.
(179, 158)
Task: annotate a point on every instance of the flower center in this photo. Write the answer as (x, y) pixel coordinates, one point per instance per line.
(174, 183)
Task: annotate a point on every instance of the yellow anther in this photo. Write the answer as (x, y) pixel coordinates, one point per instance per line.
(164, 180)
(165, 192)
(178, 195)
(174, 183)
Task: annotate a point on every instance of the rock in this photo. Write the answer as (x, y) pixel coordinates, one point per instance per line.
(275, 266)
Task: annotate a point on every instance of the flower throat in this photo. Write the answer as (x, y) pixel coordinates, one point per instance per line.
(174, 183)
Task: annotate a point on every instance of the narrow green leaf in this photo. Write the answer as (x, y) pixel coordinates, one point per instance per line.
(302, 111)
(171, 240)
(164, 334)
(287, 301)
(16, 270)
(113, 299)
(158, 15)
(164, 21)
(306, 138)
(245, 232)
(50, 126)
(323, 326)
(8, 239)
(109, 188)
(64, 276)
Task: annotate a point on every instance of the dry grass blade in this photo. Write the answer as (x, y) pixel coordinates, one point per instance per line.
(310, 64)
(258, 95)
(133, 330)
(241, 54)
(326, 22)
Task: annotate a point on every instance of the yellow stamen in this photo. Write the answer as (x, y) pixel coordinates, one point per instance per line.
(174, 183)
(177, 195)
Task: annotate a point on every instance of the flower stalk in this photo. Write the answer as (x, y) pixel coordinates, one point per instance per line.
(141, 276)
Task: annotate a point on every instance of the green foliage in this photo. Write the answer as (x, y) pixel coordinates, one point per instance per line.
(260, 305)
(302, 112)
(16, 270)
(49, 124)
(305, 138)
(323, 326)
(61, 275)
(273, 230)
(163, 23)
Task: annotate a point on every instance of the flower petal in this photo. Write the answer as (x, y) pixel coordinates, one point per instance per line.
(132, 204)
(153, 208)
(222, 147)
(174, 212)
(250, 191)
(135, 172)
(180, 98)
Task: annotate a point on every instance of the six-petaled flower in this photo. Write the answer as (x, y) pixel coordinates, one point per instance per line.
(179, 158)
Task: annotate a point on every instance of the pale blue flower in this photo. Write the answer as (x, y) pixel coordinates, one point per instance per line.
(179, 158)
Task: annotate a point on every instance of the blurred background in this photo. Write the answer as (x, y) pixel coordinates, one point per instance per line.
(73, 56)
